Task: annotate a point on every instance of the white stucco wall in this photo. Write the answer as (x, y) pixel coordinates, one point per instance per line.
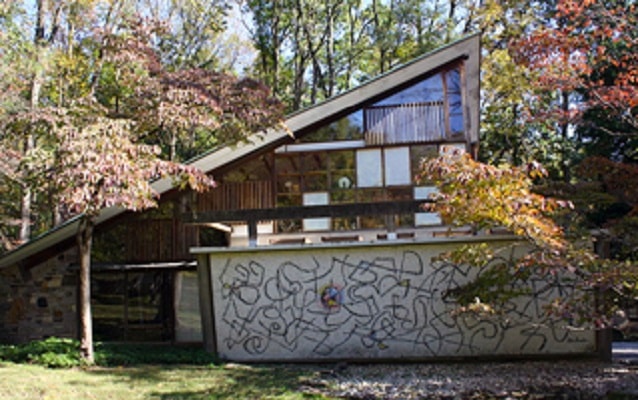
(368, 301)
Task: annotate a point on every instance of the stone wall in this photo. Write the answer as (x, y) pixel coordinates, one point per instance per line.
(369, 301)
(39, 302)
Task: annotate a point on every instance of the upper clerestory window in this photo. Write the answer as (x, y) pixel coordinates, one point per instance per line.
(429, 111)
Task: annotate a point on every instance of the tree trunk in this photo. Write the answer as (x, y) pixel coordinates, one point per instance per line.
(85, 239)
(29, 140)
(330, 50)
(25, 214)
(564, 132)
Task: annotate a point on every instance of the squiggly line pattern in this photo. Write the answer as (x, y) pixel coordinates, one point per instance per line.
(387, 307)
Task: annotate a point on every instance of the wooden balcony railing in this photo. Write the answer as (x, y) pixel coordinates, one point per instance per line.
(405, 123)
(252, 217)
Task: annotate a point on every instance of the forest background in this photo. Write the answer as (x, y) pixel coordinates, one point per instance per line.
(558, 88)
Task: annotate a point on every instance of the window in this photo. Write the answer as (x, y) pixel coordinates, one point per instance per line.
(373, 154)
(425, 218)
(428, 111)
(454, 102)
(346, 128)
(369, 168)
(316, 224)
(397, 166)
(132, 306)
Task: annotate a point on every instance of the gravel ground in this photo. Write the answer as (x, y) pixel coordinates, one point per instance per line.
(582, 380)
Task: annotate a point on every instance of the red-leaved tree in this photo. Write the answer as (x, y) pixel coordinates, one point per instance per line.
(96, 166)
(590, 50)
(105, 148)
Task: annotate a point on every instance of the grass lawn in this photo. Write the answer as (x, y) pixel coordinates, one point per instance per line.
(23, 381)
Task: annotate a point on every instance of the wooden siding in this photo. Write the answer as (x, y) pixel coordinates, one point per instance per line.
(237, 196)
(151, 240)
(147, 240)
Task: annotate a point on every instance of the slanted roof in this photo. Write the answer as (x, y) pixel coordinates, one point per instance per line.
(467, 48)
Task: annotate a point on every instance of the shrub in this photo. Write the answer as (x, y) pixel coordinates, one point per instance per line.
(51, 352)
(65, 353)
(112, 354)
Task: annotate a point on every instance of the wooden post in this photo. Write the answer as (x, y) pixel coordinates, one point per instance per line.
(252, 233)
(206, 307)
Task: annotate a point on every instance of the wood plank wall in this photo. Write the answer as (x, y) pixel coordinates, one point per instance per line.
(237, 196)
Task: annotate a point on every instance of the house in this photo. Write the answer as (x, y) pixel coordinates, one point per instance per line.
(311, 247)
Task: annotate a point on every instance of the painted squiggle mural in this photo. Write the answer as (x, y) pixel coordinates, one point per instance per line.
(347, 303)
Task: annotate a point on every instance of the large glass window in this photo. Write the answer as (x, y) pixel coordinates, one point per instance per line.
(371, 155)
(258, 169)
(455, 102)
(418, 153)
(349, 176)
(316, 199)
(346, 128)
(132, 306)
(430, 110)
(108, 299)
(426, 91)
(315, 171)
(418, 113)
(288, 167)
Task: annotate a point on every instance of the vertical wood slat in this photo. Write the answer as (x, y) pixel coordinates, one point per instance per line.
(404, 123)
(149, 240)
(156, 239)
(237, 196)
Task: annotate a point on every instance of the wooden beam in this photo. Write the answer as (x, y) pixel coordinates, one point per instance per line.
(300, 212)
(252, 232)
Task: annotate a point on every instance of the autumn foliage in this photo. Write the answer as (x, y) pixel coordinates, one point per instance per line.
(99, 166)
(617, 179)
(589, 48)
(484, 196)
(96, 118)
(487, 197)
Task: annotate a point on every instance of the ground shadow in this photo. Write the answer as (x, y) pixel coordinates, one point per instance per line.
(225, 381)
(252, 382)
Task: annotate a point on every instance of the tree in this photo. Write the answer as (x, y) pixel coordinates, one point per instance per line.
(103, 113)
(312, 50)
(183, 111)
(9, 180)
(506, 133)
(103, 50)
(589, 55)
(488, 197)
(605, 198)
(586, 63)
(53, 53)
(484, 196)
(97, 165)
(98, 162)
